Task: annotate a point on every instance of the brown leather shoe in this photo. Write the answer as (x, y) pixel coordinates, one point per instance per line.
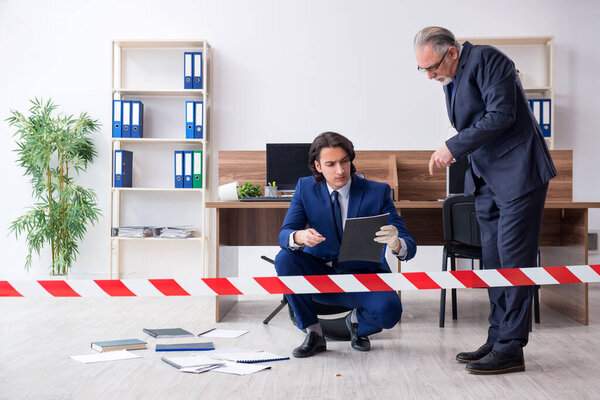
(312, 345)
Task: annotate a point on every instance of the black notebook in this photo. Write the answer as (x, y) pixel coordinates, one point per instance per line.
(357, 241)
(168, 333)
(185, 346)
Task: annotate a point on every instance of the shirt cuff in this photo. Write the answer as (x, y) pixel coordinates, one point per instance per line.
(403, 251)
(293, 245)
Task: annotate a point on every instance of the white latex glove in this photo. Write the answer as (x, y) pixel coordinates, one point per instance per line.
(388, 234)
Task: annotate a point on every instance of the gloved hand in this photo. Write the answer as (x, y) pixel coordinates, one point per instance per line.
(388, 234)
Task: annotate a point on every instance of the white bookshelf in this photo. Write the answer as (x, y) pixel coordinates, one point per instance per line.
(152, 71)
(534, 58)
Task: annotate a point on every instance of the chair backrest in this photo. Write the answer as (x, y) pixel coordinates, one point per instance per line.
(460, 221)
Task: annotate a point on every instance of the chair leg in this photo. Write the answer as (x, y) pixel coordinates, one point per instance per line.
(443, 291)
(453, 268)
(536, 304)
(536, 293)
(283, 303)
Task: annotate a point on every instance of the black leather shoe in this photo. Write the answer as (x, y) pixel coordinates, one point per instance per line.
(497, 363)
(360, 343)
(478, 354)
(312, 345)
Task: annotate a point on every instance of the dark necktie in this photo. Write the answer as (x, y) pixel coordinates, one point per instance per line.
(337, 214)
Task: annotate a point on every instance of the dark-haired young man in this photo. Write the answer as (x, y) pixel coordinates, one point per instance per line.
(311, 235)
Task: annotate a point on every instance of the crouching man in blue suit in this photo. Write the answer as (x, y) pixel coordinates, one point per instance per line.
(311, 235)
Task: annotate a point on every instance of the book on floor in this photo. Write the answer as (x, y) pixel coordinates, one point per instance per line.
(113, 345)
(168, 333)
(193, 361)
(251, 357)
(185, 346)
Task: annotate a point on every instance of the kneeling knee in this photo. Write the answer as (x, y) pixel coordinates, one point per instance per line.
(284, 263)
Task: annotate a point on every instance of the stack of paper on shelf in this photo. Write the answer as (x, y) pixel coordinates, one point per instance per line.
(133, 231)
(175, 232)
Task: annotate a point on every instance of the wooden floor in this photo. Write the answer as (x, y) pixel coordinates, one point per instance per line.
(415, 360)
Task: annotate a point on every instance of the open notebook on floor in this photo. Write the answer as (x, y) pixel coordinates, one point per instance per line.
(250, 357)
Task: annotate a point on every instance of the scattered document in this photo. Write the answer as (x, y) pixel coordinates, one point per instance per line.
(193, 361)
(223, 333)
(240, 369)
(108, 356)
(357, 240)
(250, 357)
(199, 370)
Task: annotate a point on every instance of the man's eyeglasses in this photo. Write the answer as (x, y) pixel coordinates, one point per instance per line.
(435, 66)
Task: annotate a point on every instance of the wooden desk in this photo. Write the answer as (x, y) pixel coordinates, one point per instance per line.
(564, 226)
(563, 242)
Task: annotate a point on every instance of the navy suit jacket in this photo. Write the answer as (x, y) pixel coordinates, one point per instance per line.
(495, 125)
(311, 205)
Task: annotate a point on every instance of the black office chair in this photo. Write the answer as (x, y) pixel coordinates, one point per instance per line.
(462, 240)
(333, 328)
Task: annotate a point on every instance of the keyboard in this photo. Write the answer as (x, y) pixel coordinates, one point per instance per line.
(267, 199)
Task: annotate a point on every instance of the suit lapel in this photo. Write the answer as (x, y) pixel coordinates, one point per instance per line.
(448, 102)
(466, 49)
(356, 194)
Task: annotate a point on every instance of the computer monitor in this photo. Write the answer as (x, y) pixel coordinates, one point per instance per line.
(286, 163)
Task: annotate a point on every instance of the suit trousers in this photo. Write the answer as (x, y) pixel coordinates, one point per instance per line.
(375, 310)
(510, 236)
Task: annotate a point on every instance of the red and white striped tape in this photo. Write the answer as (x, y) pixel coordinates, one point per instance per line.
(303, 284)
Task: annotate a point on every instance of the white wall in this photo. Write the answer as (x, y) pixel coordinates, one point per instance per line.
(282, 71)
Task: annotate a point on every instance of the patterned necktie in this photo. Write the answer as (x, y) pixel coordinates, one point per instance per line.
(337, 214)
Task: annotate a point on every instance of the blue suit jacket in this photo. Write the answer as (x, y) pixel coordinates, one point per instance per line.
(495, 125)
(311, 205)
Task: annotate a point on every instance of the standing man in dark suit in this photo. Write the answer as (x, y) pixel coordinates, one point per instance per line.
(510, 170)
(310, 242)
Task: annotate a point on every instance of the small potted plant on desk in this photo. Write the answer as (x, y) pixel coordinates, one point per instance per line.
(249, 189)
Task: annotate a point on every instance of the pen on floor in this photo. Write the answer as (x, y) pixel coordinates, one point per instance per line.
(205, 332)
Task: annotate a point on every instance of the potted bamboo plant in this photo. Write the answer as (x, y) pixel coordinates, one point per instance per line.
(53, 148)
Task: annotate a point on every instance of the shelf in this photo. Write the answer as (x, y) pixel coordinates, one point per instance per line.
(160, 92)
(541, 89)
(161, 44)
(154, 239)
(508, 41)
(136, 189)
(153, 70)
(158, 140)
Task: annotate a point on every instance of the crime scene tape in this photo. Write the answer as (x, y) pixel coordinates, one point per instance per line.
(303, 284)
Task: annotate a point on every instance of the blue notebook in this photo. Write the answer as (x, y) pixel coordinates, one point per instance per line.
(185, 346)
